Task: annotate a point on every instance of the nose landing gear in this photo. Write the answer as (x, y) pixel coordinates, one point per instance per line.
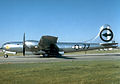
(5, 56)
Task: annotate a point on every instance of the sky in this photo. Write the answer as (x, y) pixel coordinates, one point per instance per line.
(69, 20)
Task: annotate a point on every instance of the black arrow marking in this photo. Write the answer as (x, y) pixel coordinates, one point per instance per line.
(105, 34)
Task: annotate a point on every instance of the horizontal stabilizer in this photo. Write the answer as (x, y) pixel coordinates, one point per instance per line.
(109, 45)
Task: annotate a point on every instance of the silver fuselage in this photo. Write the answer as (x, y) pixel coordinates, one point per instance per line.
(49, 44)
(33, 48)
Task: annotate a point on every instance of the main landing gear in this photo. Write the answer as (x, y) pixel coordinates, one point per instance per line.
(45, 55)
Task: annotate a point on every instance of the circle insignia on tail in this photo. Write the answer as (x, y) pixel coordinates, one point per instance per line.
(106, 35)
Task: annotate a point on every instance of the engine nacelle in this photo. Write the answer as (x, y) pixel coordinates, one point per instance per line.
(8, 52)
(34, 53)
(61, 52)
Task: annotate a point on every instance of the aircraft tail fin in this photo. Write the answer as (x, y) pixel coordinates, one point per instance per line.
(105, 34)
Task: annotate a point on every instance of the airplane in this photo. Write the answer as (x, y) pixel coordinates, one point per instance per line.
(48, 45)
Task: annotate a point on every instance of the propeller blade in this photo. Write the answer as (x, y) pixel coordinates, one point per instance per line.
(24, 45)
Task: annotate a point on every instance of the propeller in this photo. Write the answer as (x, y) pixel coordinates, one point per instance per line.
(24, 44)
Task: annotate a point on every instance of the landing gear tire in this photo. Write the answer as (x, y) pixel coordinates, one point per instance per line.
(5, 56)
(45, 55)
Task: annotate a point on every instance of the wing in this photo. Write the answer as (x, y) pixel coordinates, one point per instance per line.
(46, 42)
(48, 45)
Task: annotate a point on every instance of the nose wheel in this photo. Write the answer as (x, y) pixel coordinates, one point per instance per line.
(5, 56)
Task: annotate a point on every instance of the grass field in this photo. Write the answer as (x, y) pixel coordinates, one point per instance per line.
(75, 72)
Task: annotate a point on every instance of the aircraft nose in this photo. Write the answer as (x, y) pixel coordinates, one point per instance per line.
(5, 46)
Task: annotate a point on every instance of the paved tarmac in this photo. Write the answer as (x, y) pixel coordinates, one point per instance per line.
(39, 59)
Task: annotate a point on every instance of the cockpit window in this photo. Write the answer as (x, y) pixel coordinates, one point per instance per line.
(17, 43)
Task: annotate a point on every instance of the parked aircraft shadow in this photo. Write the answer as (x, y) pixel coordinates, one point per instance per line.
(64, 57)
(37, 56)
